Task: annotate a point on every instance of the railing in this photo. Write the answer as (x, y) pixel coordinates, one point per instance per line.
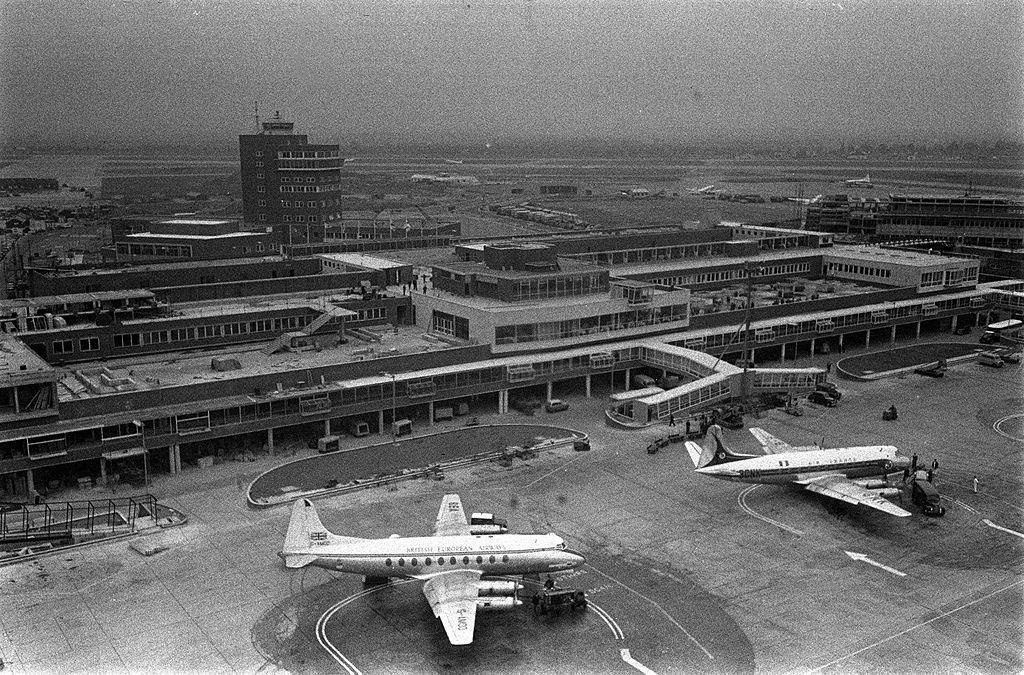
(59, 520)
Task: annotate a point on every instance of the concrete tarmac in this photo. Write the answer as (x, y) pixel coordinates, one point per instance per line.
(690, 574)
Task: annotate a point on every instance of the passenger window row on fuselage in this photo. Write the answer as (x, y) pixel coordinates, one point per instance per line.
(414, 562)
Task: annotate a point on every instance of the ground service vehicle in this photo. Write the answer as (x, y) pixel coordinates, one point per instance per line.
(556, 405)
(994, 332)
(486, 523)
(1009, 356)
(657, 444)
(328, 444)
(830, 389)
(357, 428)
(925, 495)
(443, 414)
(821, 398)
(556, 599)
(990, 359)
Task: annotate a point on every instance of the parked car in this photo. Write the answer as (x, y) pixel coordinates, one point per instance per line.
(556, 405)
(821, 398)
(1010, 356)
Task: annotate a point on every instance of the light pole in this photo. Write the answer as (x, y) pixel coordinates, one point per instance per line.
(394, 396)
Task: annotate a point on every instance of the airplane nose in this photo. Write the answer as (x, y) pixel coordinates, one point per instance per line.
(575, 558)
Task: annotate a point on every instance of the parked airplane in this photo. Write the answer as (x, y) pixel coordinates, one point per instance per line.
(861, 182)
(800, 200)
(838, 473)
(453, 562)
(702, 191)
(453, 161)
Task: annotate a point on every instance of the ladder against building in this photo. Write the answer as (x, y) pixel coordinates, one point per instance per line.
(282, 341)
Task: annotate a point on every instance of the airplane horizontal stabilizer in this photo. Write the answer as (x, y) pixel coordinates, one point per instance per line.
(695, 451)
(294, 561)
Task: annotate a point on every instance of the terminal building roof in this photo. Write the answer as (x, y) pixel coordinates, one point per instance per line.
(16, 360)
(159, 267)
(370, 262)
(177, 369)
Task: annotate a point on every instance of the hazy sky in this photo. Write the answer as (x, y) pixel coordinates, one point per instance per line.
(181, 72)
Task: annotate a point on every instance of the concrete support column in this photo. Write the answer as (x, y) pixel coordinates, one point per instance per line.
(588, 386)
(917, 330)
(627, 379)
(327, 427)
(380, 422)
(867, 338)
(812, 346)
(783, 353)
(17, 403)
(270, 441)
(953, 324)
(840, 342)
(502, 401)
(550, 390)
(103, 471)
(430, 413)
(892, 334)
(30, 483)
(977, 319)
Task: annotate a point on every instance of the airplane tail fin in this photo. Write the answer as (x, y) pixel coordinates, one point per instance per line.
(305, 534)
(717, 451)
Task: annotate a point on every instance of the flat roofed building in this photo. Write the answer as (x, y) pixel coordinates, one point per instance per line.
(894, 267)
(968, 220)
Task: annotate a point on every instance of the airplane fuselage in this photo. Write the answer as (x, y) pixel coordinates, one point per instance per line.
(420, 556)
(791, 467)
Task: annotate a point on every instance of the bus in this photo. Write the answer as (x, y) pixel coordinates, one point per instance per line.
(1009, 329)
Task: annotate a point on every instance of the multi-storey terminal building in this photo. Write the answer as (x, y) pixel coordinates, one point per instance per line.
(499, 323)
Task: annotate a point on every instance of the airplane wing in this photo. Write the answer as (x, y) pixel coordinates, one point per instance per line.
(840, 487)
(451, 518)
(770, 444)
(452, 597)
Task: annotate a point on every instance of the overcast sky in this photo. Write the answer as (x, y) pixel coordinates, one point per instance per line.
(182, 72)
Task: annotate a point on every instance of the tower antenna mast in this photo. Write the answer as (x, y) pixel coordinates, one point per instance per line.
(256, 114)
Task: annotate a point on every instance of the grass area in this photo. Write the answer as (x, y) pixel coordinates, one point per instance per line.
(905, 357)
(415, 452)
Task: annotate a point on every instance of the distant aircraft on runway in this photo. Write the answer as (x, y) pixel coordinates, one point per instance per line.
(702, 191)
(453, 562)
(861, 182)
(801, 200)
(832, 472)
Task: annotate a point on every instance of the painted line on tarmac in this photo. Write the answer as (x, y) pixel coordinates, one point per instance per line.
(1003, 529)
(321, 624)
(554, 471)
(636, 664)
(607, 618)
(660, 609)
(959, 503)
(741, 499)
(999, 422)
(919, 625)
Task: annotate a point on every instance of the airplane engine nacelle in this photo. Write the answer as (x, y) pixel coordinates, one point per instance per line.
(889, 492)
(498, 603)
(497, 587)
(872, 484)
